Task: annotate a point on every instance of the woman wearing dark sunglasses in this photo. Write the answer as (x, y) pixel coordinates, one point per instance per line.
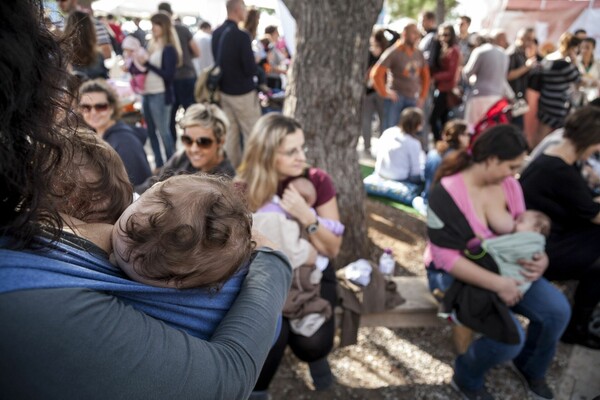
(99, 107)
(204, 129)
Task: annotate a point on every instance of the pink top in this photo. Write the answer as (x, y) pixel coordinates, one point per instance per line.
(444, 258)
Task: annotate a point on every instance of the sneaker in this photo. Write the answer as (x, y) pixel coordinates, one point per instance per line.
(466, 394)
(419, 204)
(538, 388)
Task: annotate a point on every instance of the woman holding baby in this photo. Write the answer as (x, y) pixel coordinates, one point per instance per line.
(476, 197)
(274, 156)
(64, 337)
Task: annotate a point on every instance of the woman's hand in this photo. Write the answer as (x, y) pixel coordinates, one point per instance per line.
(509, 292)
(533, 269)
(295, 205)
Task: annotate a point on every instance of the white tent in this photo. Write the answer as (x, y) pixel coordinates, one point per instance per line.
(209, 10)
(550, 18)
(212, 11)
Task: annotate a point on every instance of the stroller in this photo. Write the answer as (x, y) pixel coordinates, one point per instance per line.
(499, 113)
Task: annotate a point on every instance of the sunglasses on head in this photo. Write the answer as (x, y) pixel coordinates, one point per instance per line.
(202, 142)
(98, 107)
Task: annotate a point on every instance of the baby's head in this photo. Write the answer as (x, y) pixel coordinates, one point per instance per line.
(306, 189)
(92, 184)
(533, 221)
(130, 45)
(187, 231)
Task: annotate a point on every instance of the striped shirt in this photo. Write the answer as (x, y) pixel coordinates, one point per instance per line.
(102, 36)
(557, 78)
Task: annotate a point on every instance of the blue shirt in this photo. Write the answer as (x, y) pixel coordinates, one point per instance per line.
(130, 148)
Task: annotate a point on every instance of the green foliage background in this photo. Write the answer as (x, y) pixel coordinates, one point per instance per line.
(412, 8)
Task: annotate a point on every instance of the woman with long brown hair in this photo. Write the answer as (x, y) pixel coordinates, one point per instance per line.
(87, 61)
(159, 92)
(445, 79)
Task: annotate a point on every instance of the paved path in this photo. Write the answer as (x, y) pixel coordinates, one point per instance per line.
(581, 379)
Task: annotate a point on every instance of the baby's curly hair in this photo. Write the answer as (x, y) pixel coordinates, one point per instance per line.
(189, 231)
(92, 184)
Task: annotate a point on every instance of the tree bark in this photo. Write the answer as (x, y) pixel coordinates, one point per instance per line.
(440, 12)
(325, 91)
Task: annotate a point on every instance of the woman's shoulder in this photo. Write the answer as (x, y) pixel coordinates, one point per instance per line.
(123, 134)
(169, 51)
(453, 180)
(547, 164)
(323, 185)
(224, 168)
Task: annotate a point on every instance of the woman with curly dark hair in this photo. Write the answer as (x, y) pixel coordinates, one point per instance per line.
(66, 338)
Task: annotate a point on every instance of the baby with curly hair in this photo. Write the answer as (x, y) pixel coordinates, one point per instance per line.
(187, 231)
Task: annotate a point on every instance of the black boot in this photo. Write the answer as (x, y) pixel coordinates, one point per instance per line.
(578, 330)
(321, 374)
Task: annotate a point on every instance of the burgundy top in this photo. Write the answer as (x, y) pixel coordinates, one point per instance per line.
(447, 76)
(322, 182)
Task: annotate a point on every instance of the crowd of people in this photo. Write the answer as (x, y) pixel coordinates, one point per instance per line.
(150, 274)
(481, 107)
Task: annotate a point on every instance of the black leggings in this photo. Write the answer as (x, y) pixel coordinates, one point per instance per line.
(576, 262)
(307, 349)
(439, 115)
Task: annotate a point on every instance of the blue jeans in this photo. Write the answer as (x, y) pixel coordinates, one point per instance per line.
(184, 97)
(157, 114)
(392, 110)
(548, 312)
(432, 162)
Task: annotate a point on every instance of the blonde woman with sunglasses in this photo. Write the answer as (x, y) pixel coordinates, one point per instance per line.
(204, 129)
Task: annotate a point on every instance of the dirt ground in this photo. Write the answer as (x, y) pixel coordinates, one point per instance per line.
(411, 363)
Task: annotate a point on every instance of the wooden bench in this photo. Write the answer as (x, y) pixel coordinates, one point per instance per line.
(419, 310)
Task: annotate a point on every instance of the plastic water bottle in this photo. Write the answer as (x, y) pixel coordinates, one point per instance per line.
(387, 263)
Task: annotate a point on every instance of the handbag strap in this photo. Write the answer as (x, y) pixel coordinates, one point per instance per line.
(220, 47)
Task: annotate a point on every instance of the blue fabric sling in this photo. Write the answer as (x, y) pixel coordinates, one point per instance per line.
(59, 265)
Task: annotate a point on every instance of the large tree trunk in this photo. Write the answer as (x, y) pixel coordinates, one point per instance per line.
(440, 11)
(324, 93)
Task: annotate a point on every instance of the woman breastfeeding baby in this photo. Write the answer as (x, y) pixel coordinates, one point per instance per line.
(475, 197)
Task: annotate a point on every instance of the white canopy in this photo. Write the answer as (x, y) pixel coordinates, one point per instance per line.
(212, 11)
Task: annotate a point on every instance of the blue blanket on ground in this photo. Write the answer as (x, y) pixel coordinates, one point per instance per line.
(197, 311)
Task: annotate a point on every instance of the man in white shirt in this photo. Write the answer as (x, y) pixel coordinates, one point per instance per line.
(203, 40)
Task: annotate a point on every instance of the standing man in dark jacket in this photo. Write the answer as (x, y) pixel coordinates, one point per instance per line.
(185, 76)
(238, 92)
